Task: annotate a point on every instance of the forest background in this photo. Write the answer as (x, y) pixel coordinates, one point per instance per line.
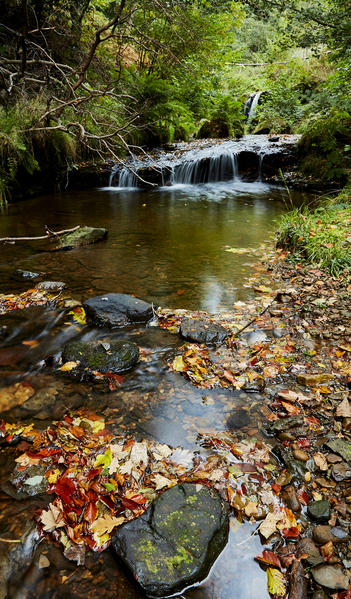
(97, 79)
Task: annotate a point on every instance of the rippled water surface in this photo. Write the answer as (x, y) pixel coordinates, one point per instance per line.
(166, 246)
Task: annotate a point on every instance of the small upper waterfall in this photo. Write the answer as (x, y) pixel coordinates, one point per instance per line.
(253, 105)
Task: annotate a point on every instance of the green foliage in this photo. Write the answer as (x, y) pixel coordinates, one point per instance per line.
(323, 148)
(320, 237)
(224, 118)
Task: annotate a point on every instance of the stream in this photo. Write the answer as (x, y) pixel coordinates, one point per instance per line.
(166, 246)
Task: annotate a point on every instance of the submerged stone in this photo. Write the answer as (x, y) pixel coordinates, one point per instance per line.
(200, 331)
(21, 275)
(176, 541)
(121, 355)
(342, 447)
(117, 310)
(238, 419)
(82, 236)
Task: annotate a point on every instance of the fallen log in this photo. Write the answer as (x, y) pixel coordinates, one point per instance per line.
(49, 234)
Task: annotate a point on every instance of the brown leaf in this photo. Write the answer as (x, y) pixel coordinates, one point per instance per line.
(343, 409)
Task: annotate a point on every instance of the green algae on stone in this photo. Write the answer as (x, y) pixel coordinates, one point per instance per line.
(82, 236)
(341, 447)
(120, 356)
(176, 541)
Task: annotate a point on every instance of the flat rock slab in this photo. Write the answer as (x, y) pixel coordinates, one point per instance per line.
(114, 357)
(82, 236)
(342, 447)
(174, 544)
(51, 286)
(330, 577)
(117, 310)
(324, 534)
(200, 331)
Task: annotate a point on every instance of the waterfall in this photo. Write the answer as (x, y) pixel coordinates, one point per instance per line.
(202, 167)
(127, 178)
(260, 163)
(253, 105)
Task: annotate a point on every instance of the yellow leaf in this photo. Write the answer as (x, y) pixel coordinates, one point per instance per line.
(276, 582)
(316, 496)
(53, 476)
(69, 366)
(263, 289)
(251, 509)
(106, 524)
(269, 524)
(179, 364)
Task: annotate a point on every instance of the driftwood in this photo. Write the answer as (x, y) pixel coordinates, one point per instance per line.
(298, 581)
(49, 234)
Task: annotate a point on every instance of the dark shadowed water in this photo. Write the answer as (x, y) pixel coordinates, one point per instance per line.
(167, 246)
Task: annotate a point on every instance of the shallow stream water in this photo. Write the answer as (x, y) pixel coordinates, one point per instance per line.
(166, 246)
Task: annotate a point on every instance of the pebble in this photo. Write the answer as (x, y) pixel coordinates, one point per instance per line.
(301, 455)
(332, 458)
(286, 437)
(325, 533)
(324, 482)
(290, 498)
(238, 419)
(311, 380)
(346, 423)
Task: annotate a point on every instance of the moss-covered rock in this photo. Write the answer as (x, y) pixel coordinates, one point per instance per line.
(119, 355)
(82, 236)
(176, 541)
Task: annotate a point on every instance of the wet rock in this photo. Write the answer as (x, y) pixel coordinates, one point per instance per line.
(313, 379)
(15, 395)
(121, 355)
(290, 498)
(26, 275)
(255, 386)
(327, 549)
(330, 577)
(320, 595)
(301, 455)
(5, 573)
(286, 437)
(341, 472)
(319, 511)
(332, 458)
(238, 419)
(202, 332)
(284, 424)
(82, 236)
(51, 286)
(42, 400)
(342, 447)
(324, 533)
(29, 483)
(175, 542)
(117, 310)
(306, 545)
(325, 482)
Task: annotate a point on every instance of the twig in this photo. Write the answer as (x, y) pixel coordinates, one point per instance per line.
(49, 234)
(260, 314)
(10, 540)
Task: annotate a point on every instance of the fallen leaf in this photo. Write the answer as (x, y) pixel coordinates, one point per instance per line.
(34, 480)
(106, 524)
(69, 366)
(343, 409)
(269, 524)
(320, 461)
(276, 582)
(291, 409)
(178, 364)
(43, 562)
(51, 518)
(268, 557)
(162, 482)
(251, 509)
(76, 553)
(138, 455)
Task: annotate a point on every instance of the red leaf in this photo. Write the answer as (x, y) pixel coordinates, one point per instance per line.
(130, 504)
(43, 453)
(246, 467)
(98, 488)
(345, 594)
(303, 497)
(93, 472)
(257, 478)
(290, 532)
(276, 488)
(64, 486)
(303, 443)
(229, 376)
(312, 420)
(106, 499)
(268, 557)
(139, 499)
(90, 512)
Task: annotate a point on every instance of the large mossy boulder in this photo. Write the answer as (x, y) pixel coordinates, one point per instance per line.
(203, 332)
(174, 544)
(82, 236)
(114, 357)
(117, 310)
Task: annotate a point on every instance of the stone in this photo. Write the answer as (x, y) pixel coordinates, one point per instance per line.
(346, 423)
(327, 549)
(319, 511)
(51, 286)
(341, 472)
(15, 395)
(313, 379)
(274, 138)
(121, 355)
(255, 386)
(21, 275)
(324, 533)
(301, 455)
(325, 482)
(306, 545)
(332, 458)
(320, 594)
(82, 236)
(17, 488)
(290, 498)
(117, 310)
(201, 331)
(286, 437)
(330, 577)
(342, 447)
(176, 541)
(284, 424)
(238, 419)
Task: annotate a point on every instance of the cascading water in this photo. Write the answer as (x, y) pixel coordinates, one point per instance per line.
(254, 104)
(127, 178)
(206, 166)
